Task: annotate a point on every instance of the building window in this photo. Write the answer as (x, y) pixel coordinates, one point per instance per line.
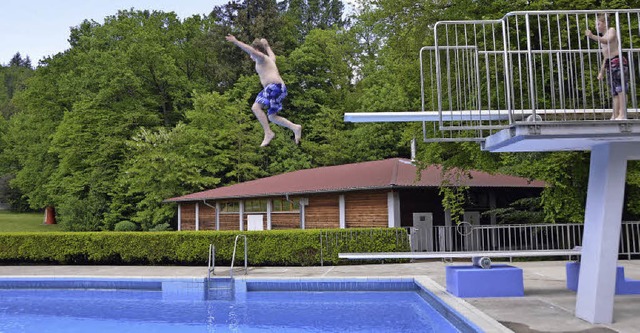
(255, 206)
(281, 205)
(230, 207)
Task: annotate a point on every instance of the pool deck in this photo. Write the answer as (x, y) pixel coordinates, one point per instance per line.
(546, 307)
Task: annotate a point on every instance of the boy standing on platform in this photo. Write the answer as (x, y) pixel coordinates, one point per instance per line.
(614, 64)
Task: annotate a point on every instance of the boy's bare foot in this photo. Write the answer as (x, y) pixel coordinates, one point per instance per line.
(297, 133)
(621, 118)
(267, 139)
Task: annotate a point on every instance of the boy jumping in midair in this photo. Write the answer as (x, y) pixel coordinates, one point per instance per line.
(274, 89)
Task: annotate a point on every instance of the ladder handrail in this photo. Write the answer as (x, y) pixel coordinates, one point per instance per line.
(212, 260)
(233, 257)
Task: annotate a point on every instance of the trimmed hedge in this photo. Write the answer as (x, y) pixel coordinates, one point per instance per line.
(265, 248)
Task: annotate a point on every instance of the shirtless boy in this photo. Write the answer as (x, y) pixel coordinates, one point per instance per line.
(274, 91)
(613, 65)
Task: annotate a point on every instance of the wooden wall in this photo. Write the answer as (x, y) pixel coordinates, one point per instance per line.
(188, 216)
(366, 209)
(207, 217)
(363, 209)
(285, 221)
(323, 211)
(229, 221)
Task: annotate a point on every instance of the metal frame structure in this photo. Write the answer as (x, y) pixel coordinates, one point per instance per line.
(484, 76)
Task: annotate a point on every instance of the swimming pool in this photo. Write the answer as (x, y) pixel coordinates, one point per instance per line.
(152, 305)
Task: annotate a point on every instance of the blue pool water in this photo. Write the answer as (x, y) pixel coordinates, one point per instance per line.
(86, 310)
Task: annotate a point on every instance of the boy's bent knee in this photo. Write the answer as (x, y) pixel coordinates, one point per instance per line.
(256, 107)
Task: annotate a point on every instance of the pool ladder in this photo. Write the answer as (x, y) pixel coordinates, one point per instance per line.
(212, 257)
(222, 288)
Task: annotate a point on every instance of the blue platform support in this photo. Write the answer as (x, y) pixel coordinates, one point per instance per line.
(473, 281)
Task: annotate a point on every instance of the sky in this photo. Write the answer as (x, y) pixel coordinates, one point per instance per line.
(40, 28)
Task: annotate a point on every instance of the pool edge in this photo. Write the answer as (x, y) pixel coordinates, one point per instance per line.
(468, 312)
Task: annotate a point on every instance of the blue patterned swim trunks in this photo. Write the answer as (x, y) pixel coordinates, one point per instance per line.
(272, 97)
(615, 66)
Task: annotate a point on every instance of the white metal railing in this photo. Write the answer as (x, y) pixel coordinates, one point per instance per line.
(211, 265)
(534, 65)
(630, 239)
(516, 237)
(233, 256)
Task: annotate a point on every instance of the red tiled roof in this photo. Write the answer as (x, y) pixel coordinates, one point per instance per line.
(383, 174)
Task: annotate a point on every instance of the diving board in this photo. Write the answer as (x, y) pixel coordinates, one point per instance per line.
(458, 254)
(476, 115)
(479, 279)
(429, 116)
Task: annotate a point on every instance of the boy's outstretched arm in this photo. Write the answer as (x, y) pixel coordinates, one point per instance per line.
(244, 47)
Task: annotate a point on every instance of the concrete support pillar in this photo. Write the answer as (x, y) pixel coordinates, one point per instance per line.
(179, 217)
(302, 203)
(269, 211)
(603, 219)
(343, 211)
(197, 216)
(217, 215)
(241, 214)
(393, 209)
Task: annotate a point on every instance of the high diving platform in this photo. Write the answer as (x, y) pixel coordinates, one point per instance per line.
(528, 82)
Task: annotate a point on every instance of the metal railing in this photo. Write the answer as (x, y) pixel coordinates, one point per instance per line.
(519, 237)
(630, 239)
(331, 243)
(212, 261)
(233, 256)
(534, 65)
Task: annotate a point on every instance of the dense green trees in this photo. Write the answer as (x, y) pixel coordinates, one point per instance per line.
(146, 106)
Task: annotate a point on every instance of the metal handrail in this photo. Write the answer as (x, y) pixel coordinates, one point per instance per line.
(233, 257)
(212, 260)
(519, 237)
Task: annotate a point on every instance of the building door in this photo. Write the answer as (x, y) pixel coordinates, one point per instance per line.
(422, 233)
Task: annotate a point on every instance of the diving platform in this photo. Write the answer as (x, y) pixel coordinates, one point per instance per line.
(546, 136)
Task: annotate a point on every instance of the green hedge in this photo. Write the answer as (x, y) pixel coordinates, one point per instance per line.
(265, 248)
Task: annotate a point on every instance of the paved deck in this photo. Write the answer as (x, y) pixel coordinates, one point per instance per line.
(546, 307)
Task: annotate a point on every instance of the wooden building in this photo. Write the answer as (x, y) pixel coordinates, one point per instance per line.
(385, 193)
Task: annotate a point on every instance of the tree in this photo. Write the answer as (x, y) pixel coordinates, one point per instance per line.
(82, 107)
(13, 79)
(18, 61)
(303, 16)
(27, 136)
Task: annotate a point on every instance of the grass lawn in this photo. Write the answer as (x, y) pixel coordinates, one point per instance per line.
(32, 222)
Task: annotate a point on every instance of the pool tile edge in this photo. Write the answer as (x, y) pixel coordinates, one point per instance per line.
(468, 311)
